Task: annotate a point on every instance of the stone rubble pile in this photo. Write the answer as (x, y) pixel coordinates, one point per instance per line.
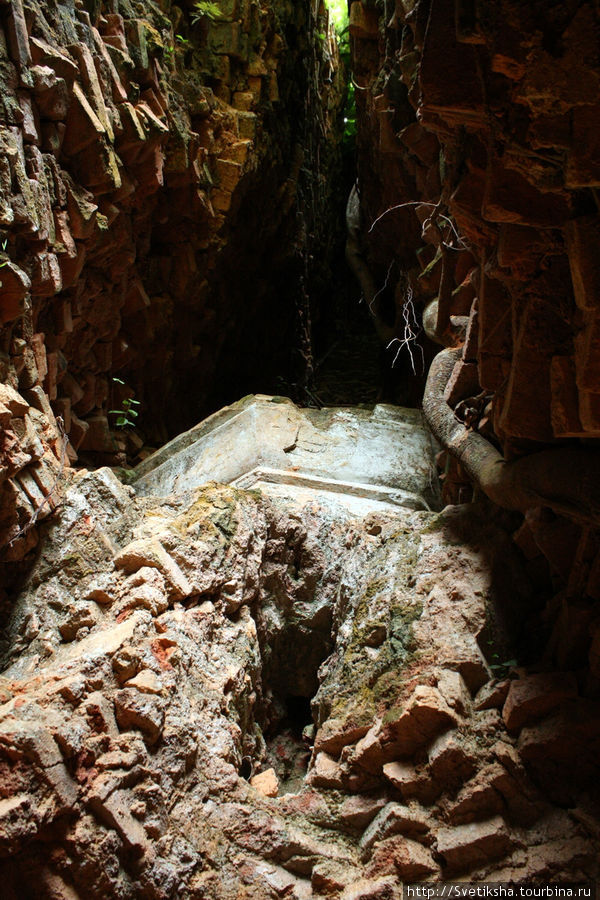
(148, 662)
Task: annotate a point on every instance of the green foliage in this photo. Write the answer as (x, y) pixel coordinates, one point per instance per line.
(205, 9)
(350, 115)
(180, 45)
(127, 414)
(338, 11)
(501, 669)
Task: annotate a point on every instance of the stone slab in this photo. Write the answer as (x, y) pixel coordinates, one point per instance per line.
(360, 458)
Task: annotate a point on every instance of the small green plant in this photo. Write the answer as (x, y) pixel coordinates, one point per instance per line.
(205, 9)
(127, 414)
(501, 669)
(179, 45)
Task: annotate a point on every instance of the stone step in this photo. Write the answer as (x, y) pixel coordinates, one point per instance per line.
(383, 456)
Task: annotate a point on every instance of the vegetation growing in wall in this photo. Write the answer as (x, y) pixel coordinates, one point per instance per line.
(338, 11)
(205, 9)
(126, 414)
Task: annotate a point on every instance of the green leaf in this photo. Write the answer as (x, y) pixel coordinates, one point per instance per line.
(205, 9)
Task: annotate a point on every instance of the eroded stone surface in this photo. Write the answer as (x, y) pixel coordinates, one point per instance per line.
(126, 743)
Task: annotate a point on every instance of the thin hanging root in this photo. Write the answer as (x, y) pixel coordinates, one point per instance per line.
(372, 308)
(460, 243)
(410, 335)
(398, 206)
(567, 480)
(444, 295)
(431, 220)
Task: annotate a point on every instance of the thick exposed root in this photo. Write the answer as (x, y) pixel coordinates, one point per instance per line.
(565, 479)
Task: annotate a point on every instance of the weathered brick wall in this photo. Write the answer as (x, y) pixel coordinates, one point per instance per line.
(479, 170)
(485, 111)
(148, 218)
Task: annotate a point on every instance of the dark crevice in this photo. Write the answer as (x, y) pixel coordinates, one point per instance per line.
(299, 714)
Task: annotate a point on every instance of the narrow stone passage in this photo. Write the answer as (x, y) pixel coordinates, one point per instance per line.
(314, 642)
(351, 372)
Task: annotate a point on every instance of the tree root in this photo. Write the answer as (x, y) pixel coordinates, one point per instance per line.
(357, 262)
(565, 479)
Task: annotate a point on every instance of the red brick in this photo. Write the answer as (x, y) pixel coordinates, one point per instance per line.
(495, 333)
(583, 158)
(589, 412)
(364, 22)
(466, 846)
(15, 285)
(463, 382)
(565, 418)
(407, 859)
(526, 411)
(97, 437)
(77, 431)
(509, 197)
(583, 239)
(535, 696)
(449, 75)
(587, 358)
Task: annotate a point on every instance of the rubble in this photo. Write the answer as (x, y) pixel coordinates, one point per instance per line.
(169, 644)
(153, 748)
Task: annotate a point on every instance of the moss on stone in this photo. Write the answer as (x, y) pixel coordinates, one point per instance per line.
(75, 566)
(372, 682)
(216, 509)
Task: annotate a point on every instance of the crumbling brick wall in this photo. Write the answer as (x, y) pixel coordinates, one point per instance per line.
(479, 170)
(149, 167)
